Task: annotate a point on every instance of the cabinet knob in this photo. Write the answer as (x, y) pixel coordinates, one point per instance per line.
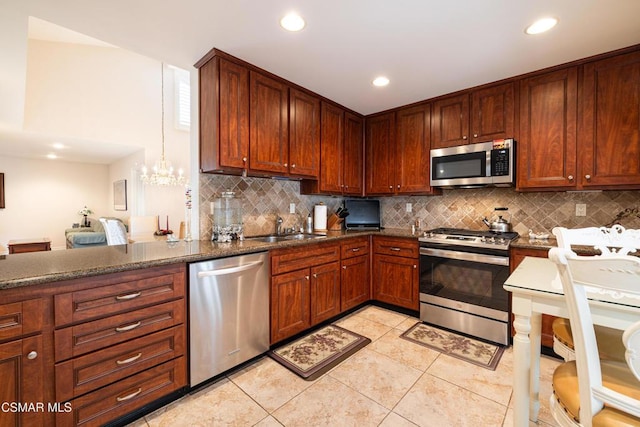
(464, 136)
(315, 276)
(306, 277)
(475, 135)
(587, 177)
(32, 355)
(415, 266)
(293, 165)
(286, 164)
(570, 177)
(344, 267)
(244, 160)
(391, 187)
(398, 186)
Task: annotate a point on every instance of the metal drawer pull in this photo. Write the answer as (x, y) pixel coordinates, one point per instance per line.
(129, 396)
(128, 328)
(129, 360)
(128, 296)
(355, 249)
(395, 249)
(230, 270)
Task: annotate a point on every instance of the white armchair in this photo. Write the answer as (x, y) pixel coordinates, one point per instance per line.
(589, 391)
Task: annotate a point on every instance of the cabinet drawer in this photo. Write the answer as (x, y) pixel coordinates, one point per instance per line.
(118, 399)
(94, 370)
(396, 247)
(291, 259)
(121, 292)
(80, 339)
(20, 318)
(355, 247)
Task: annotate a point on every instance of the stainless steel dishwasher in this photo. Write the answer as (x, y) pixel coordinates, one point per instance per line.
(228, 313)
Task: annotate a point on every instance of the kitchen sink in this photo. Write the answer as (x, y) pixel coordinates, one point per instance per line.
(284, 237)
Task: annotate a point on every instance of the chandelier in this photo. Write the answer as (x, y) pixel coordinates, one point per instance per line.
(163, 174)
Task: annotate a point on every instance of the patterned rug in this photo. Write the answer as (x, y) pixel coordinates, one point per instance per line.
(316, 353)
(465, 348)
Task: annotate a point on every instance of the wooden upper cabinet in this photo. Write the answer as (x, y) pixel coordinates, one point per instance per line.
(269, 125)
(610, 133)
(482, 115)
(450, 122)
(413, 144)
(493, 113)
(304, 134)
(353, 155)
(380, 154)
(224, 116)
(331, 149)
(547, 149)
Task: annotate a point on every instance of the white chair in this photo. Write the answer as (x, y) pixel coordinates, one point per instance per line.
(601, 238)
(141, 228)
(115, 232)
(590, 391)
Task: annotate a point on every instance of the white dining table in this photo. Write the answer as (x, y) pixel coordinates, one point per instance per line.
(536, 289)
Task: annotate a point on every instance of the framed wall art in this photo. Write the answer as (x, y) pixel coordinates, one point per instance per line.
(120, 195)
(1, 190)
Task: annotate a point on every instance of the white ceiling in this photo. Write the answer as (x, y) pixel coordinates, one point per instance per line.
(427, 48)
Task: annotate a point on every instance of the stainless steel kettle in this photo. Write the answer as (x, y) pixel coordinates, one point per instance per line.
(499, 224)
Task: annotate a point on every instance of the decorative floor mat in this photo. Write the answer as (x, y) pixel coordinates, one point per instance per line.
(477, 352)
(316, 353)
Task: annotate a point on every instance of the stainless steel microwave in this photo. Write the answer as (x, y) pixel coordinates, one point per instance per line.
(474, 165)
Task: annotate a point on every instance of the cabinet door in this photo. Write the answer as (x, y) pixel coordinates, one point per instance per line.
(325, 292)
(22, 373)
(290, 310)
(331, 148)
(269, 136)
(353, 152)
(450, 122)
(224, 116)
(356, 287)
(493, 113)
(610, 141)
(413, 143)
(304, 134)
(548, 116)
(380, 157)
(395, 280)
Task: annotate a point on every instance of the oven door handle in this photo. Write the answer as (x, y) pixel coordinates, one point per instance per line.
(465, 256)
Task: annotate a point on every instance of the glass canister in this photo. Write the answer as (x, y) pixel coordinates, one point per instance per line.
(227, 217)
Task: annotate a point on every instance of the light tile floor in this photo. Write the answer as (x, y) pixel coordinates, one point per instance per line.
(390, 382)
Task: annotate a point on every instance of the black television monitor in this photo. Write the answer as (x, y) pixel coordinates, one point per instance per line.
(363, 214)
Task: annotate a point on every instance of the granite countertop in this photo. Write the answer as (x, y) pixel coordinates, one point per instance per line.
(34, 268)
(524, 242)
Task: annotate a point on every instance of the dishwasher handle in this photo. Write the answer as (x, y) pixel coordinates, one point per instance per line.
(230, 270)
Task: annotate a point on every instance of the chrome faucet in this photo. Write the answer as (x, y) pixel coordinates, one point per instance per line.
(278, 225)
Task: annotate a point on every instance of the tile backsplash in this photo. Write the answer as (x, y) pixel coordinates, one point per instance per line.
(265, 199)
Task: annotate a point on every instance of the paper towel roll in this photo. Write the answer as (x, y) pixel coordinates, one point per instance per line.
(320, 217)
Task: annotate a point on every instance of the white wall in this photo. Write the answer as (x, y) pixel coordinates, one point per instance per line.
(43, 197)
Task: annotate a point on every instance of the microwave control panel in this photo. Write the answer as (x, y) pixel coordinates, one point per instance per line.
(500, 162)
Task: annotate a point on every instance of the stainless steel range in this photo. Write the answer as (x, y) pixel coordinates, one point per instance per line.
(461, 278)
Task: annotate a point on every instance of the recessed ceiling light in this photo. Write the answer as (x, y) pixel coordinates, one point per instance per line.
(380, 81)
(292, 22)
(51, 156)
(58, 146)
(541, 25)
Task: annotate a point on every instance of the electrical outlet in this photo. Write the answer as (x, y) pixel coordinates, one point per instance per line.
(581, 209)
(292, 208)
(409, 207)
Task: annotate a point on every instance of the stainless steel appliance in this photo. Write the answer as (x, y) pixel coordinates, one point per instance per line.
(461, 278)
(474, 165)
(228, 313)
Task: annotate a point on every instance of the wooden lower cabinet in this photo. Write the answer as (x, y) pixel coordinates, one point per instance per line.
(516, 255)
(120, 398)
(355, 282)
(395, 271)
(290, 309)
(325, 292)
(21, 376)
